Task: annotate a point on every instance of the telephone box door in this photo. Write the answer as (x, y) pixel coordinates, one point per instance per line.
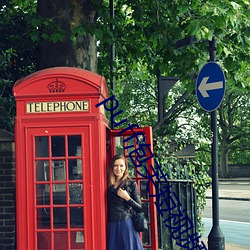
(58, 180)
(136, 144)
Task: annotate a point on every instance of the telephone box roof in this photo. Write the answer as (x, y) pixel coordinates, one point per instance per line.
(38, 80)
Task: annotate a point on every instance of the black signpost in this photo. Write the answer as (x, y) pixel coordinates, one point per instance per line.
(210, 89)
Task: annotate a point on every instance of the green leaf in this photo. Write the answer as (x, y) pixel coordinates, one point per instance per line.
(194, 27)
(235, 5)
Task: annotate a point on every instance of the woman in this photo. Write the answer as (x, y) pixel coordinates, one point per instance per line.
(122, 195)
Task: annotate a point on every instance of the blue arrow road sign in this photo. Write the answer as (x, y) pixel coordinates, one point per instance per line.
(210, 86)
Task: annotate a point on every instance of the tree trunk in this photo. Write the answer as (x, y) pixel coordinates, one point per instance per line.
(75, 49)
(223, 166)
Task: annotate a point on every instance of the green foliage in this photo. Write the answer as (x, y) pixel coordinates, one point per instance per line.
(147, 31)
(184, 169)
(145, 36)
(15, 29)
(17, 54)
(7, 107)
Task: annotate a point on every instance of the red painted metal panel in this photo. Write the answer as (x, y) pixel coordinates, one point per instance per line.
(147, 131)
(68, 85)
(21, 196)
(76, 80)
(91, 124)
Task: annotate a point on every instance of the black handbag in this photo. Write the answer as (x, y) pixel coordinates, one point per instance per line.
(139, 221)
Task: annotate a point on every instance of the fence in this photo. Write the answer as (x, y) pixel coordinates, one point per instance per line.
(182, 215)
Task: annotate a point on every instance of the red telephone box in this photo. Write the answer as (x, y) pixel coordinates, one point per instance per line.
(63, 144)
(60, 139)
(131, 146)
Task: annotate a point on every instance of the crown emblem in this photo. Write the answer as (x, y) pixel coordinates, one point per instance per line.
(56, 86)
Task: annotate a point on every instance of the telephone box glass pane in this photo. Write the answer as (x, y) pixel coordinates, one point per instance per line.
(60, 217)
(61, 240)
(41, 194)
(132, 170)
(77, 240)
(41, 146)
(43, 241)
(146, 237)
(76, 217)
(144, 190)
(58, 171)
(58, 146)
(74, 145)
(43, 218)
(119, 144)
(75, 169)
(59, 194)
(42, 171)
(146, 210)
(75, 193)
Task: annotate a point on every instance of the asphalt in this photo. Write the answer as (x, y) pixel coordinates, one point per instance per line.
(229, 194)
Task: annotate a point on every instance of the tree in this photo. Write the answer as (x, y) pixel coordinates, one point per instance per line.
(66, 33)
(17, 54)
(234, 119)
(145, 34)
(69, 39)
(157, 25)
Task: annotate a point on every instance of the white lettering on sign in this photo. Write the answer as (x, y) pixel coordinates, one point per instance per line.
(49, 107)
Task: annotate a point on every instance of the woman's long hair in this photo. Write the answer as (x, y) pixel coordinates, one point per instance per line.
(111, 175)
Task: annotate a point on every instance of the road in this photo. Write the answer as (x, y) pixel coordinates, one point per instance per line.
(234, 213)
(234, 232)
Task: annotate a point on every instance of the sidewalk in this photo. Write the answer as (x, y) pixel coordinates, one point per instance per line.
(229, 246)
(231, 194)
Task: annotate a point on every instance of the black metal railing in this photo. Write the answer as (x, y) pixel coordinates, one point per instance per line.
(177, 220)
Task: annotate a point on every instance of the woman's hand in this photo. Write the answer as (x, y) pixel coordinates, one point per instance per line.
(123, 194)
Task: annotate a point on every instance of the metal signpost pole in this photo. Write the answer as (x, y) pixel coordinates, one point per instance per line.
(216, 240)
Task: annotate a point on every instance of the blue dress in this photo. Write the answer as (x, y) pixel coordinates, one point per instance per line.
(121, 232)
(122, 236)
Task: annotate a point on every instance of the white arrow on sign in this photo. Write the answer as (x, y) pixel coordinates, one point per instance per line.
(204, 86)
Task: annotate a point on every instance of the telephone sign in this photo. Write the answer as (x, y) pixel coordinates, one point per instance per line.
(210, 86)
